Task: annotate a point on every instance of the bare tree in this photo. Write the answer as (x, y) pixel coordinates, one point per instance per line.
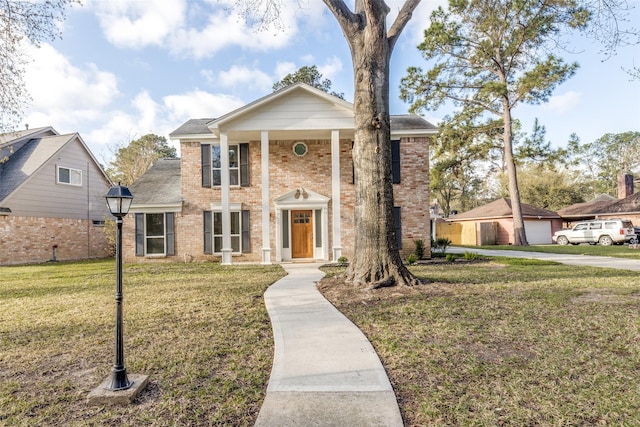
(23, 21)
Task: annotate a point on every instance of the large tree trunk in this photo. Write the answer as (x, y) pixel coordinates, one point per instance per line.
(519, 235)
(376, 261)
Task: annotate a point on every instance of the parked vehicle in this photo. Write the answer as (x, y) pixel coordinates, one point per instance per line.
(635, 240)
(605, 232)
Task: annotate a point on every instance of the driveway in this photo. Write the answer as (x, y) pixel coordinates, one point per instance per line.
(588, 260)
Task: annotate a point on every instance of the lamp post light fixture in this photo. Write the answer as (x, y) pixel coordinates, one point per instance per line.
(119, 200)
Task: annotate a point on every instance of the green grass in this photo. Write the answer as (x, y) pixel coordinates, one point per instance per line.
(508, 342)
(618, 251)
(200, 331)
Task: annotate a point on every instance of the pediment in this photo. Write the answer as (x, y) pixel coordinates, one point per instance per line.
(301, 196)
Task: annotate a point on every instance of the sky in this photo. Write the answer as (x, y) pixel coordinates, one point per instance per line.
(125, 68)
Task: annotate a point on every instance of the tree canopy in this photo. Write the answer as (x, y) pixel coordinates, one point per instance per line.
(137, 157)
(309, 75)
(23, 21)
(491, 56)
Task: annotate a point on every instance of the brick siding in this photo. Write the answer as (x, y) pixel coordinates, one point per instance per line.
(288, 172)
(31, 240)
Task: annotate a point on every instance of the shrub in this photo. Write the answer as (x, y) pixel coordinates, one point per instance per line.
(343, 260)
(470, 256)
(440, 245)
(412, 259)
(419, 248)
(451, 257)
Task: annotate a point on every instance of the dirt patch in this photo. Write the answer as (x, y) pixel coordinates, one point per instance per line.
(605, 296)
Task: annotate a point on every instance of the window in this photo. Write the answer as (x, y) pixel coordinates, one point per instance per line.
(155, 234)
(240, 238)
(397, 219)
(69, 176)
(395, 161)
(212, 165)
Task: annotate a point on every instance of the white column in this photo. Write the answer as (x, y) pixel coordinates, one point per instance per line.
(266, 244)
(224, 190)
(335, 194)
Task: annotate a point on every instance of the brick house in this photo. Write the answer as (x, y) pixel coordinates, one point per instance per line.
(283, 192)
(492, 224)
(52, 204)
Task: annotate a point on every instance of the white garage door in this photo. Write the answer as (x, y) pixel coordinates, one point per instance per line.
(538, 232)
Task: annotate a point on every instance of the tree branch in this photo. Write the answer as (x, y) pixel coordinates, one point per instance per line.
(401, 21)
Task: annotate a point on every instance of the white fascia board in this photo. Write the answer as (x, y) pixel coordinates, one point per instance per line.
(413, 132)
(153, 208)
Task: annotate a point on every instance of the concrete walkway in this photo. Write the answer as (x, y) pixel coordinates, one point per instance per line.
(588, 260)
(325, 372)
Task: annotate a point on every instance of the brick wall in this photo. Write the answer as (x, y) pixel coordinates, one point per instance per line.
(288, 172)
(31, 240)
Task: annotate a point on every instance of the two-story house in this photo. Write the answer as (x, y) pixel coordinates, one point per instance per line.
(272, 181)
(52, 204)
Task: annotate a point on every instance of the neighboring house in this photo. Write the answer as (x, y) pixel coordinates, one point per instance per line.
(282, 191)
(626, 206)
(52, 204)
(492, 224)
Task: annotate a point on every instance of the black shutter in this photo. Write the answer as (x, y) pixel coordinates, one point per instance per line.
(139, 234)
(208, 237)
(171, 241)
(246, 232)
(206, 165)
(244, 165)
(395, 161)
(397, 219)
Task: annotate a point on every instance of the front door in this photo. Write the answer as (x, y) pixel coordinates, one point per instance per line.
(301, 234)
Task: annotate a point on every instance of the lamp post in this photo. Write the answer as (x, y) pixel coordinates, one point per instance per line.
(119, 200)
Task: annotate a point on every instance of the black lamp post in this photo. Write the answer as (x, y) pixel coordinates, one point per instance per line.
(119, 199)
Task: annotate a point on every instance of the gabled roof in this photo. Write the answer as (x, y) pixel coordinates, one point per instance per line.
(406, 124)
(192, 127)
(588, 209)
(501, 208)
(29, 154)
(630, 204)
(160, 185)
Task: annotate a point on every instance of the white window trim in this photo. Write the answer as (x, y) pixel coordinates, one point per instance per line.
(218, 209)
(235, 170)
(70, 174)
(164, 236)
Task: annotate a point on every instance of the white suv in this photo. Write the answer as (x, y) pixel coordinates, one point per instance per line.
(606, 232)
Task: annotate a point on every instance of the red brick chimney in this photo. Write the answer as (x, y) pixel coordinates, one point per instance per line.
(625, 185)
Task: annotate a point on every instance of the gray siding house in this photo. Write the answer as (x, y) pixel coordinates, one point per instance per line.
(52, 204)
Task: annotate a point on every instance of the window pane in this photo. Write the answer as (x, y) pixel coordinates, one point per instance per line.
(233, 177)
(215, 156)
(75, 177)
(235, 243)
(155, 245)
(216, 177)
(155, 224)
(217, 244)
(217, 223)
(235, 222)
(63, 175)
(233, 156)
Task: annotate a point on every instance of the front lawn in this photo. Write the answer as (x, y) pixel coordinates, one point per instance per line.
(200, 331)
(618, 251)
(511, 342)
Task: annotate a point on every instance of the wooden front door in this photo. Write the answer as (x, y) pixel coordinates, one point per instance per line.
(301, 234)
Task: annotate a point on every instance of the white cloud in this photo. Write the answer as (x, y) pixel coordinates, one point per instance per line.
(331, 69)
(198, 104)
(134, 24)
(248, 77)
(64, 94)
(284, 68)
(563, 103)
